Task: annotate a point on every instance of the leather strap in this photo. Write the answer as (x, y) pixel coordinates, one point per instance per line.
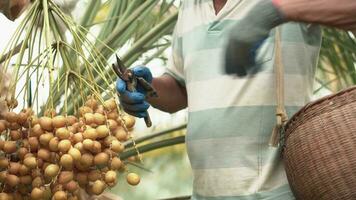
(281, 114)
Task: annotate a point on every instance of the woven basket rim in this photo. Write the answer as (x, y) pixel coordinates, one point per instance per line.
(313, 104)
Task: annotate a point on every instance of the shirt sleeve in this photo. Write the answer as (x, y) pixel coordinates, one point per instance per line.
(175, 66)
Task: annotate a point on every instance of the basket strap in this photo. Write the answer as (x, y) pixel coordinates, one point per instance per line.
(281, 114)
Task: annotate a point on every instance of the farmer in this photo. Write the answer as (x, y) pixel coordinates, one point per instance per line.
(230, 118)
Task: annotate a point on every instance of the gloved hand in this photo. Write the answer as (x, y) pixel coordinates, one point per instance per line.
(248, 35)
(134, 103)
(12, 9)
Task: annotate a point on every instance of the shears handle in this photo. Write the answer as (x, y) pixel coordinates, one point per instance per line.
(131, 86)
(131, 82)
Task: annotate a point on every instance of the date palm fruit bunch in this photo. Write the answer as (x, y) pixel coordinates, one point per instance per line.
(73, 138)
(52, 156)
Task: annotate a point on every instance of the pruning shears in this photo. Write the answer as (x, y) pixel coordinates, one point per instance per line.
(131, 80)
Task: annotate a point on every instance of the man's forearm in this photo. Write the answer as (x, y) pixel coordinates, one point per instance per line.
(12, 9)
(336, 13)
(171, 96)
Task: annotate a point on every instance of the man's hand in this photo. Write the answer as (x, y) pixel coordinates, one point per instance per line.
(248, 35)
(134, 103)
(12, 9)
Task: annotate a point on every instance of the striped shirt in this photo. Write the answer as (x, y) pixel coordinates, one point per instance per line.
(231, 118)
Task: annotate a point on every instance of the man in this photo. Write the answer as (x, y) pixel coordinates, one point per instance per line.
(231, 118)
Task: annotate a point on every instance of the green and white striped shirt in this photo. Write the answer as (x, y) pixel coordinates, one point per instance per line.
(231, 118)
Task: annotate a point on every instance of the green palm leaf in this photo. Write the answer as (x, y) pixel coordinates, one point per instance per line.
(337, 64)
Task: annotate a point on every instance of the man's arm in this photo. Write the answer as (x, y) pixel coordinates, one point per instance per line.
(172, 97)
(250, 32)
(334, 13)
(12, 9)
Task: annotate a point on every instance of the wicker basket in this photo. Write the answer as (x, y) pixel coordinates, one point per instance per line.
(320, 148)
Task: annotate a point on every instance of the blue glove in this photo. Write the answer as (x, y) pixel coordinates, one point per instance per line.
(248, 34)
(134, 103)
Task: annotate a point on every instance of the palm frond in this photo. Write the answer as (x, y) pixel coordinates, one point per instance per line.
(337, 64)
